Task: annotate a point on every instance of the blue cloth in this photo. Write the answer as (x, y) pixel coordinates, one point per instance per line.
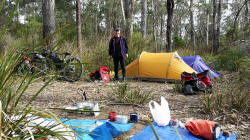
(169, 133)
(198, 64)
(96, 129)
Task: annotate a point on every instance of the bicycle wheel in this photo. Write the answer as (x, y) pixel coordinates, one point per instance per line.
(73, 70)
(41, 67)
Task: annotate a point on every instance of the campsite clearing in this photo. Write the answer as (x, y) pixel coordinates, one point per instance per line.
(60, 94)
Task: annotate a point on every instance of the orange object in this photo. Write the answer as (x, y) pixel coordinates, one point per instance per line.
(201, 128)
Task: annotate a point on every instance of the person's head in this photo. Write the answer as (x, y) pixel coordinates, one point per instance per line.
(117, 32)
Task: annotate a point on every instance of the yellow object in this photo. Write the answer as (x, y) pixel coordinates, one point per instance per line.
(112, 74)
(158, 65)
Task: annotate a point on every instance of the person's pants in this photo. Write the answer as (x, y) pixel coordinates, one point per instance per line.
(116, 64)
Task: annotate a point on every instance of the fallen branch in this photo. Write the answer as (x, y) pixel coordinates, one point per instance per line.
(137, 105)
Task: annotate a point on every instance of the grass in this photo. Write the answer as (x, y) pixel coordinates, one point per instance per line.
(228, 94)
(12, 90)
(17, 121)
(178, 88)
(126, 94)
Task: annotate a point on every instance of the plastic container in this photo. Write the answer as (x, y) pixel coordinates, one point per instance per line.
(122, 119)
(133, 117)
(85, 105)
(89, 105)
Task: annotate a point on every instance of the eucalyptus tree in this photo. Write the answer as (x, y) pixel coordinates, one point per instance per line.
(78, 21)
(214, 26)
(170, 9)
(49, 25)
(192, 31)
(144, 18)
(129, 13)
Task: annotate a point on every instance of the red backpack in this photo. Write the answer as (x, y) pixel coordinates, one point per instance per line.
(100, 74)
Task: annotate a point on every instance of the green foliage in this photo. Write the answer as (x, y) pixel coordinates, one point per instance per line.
(228, 94)
(136, 46)
(179, 42)
(178, 88)
(152, 127)
(230, 31)
(12, 89)
(95, 55)
(30, 32)
(128, 95)
(186, 52)
(244, 69)
(230, 60)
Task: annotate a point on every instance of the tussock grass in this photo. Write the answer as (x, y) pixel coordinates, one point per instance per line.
(126, 94)
(228, 94)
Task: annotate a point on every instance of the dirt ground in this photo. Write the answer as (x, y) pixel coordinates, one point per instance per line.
(61, 94)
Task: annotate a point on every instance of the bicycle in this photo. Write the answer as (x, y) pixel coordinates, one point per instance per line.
(71, 68)
(32, 62)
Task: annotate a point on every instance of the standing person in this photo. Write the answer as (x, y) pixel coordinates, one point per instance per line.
(118, 50)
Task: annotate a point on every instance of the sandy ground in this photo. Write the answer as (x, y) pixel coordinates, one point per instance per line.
(61, 94)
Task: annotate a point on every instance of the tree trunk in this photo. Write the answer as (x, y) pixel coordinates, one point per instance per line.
(96, 17)
(246, 22)
(192, 25)
(246, 13)
(207, 26)
(236, 17)
(154, 21)
(123, 14)
(144, 18)
(48, 21)
(129, 10)
(170, 9)
(218, 27)
(78, 21)
(162, 23)
(214, 27)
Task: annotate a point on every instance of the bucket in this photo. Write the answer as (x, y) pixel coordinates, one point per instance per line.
(133, 117)
(122, 119)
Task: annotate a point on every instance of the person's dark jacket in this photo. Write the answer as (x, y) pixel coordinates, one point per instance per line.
(123, 45)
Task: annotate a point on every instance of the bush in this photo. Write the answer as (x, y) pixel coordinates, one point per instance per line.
(127, 95)
(228, 94)
(230, 60)
(12, 90)
(179, 42)
(178, 88)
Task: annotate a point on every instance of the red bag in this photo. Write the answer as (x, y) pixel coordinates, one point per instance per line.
(104, 71)
(201, 128)
(100, 74)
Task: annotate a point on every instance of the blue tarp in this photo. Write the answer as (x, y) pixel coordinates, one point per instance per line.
(169, 133)
(198, 64)
(97, 129)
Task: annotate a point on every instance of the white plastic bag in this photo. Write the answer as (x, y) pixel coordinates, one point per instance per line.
(160, 113)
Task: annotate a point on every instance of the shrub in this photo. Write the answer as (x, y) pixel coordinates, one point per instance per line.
(178, 88)
(12, 89)
(127, 95)
(179, 42)
(229, 60)
(228, 94)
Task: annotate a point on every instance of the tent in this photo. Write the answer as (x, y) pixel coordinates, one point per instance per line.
(198, 64)
(158, 65)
